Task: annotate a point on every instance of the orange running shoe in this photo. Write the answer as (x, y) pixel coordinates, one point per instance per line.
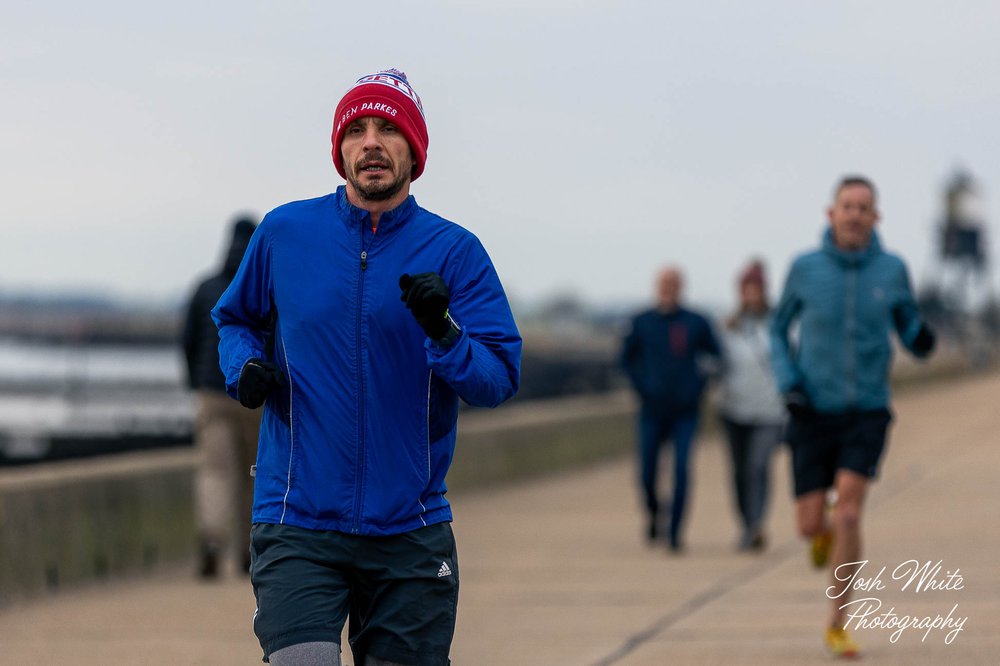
(840, 645)
(819, 548)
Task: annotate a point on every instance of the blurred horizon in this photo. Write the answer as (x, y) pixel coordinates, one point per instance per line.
(612, 139)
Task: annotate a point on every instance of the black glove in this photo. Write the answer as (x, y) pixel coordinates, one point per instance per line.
(257, 379)
(923, 344)
(797, 403)
(427, 297)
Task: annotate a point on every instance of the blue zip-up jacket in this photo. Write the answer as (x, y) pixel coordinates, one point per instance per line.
(846, 304)
(361, 435)
(661, 356)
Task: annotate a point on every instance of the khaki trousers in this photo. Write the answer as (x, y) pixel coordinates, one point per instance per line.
(226, 439)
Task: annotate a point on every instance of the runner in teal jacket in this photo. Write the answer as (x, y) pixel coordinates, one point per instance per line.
(846, 304)
(846, 298)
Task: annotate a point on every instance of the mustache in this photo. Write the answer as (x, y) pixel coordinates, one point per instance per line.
(373, 160)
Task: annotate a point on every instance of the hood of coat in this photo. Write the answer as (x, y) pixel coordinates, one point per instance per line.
(242, 231)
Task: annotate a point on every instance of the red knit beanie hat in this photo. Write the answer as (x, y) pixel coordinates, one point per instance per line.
(386, 94)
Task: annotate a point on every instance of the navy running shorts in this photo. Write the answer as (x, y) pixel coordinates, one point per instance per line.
(822, 443)
(400, 592)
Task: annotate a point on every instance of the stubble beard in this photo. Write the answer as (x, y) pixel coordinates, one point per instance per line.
(379, 189)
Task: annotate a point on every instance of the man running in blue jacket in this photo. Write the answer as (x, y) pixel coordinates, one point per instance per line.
(358, 320)
(847, 297)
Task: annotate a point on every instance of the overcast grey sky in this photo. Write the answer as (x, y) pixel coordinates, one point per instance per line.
(585, 143)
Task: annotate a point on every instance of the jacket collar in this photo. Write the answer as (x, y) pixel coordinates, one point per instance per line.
(850, 258)
(389, 220)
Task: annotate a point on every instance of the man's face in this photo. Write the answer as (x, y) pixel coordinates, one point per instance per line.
(668, 290)
(853, 217)
(377, 159)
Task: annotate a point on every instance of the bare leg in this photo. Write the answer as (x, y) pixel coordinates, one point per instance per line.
(851, 488)
(810, 513)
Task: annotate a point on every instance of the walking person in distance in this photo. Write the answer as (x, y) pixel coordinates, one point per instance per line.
(225, 433)
(750, 407)
(664, 356)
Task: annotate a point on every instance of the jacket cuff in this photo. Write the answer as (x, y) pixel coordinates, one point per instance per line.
(453, 333)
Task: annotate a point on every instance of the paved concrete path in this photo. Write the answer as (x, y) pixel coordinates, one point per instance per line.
(555, 571)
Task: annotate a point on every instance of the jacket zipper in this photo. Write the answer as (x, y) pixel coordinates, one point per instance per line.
(360, 466)
(852, 287)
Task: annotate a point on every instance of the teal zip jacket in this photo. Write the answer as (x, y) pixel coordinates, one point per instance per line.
(846, 303)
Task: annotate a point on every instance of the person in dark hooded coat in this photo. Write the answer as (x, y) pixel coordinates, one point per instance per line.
(225, 433)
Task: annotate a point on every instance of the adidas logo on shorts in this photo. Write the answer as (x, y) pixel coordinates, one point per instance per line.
(445, 570)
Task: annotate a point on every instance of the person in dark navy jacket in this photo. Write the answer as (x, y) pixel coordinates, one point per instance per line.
(384, 315)
(225, 433)
(668, 356)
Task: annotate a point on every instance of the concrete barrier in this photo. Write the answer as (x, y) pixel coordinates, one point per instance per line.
(65, 523)
(526, 440)
(69, 522)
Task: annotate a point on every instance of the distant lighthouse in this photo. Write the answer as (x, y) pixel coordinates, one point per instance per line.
(959, 296)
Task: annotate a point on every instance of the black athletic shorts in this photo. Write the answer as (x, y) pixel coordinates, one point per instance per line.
(824, 443)
(400, 592)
